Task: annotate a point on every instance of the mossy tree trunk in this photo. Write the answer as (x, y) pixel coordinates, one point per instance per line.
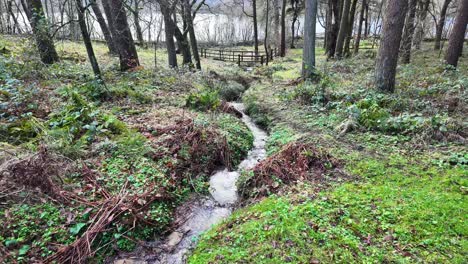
(408, 33)
(40, 27)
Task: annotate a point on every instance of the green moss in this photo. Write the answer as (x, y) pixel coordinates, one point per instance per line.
(403, 212)
(239, 138)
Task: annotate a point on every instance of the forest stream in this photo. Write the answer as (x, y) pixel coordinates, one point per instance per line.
(201, 214)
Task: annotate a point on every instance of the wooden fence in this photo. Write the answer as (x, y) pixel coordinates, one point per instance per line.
(240, 56)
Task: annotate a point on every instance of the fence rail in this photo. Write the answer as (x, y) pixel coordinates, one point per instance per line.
(240, 56)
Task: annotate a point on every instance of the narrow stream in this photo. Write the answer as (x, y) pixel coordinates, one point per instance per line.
(205, 212)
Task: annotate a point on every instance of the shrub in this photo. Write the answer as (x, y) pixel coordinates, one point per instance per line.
(231, 91)
(204, 99)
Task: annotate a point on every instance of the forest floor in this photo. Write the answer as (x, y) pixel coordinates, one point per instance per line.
(352, 175)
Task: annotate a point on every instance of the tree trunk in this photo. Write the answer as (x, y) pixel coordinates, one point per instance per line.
(276, 23)
(361, 20)
(283, 29)
(265, 40)
(15, 20)
(136, 18)
(366, 25)
(308, 57)
(457, 37)
(169, 32)
(191, 31)
(108, 11)
(350, 28)
(40, 28)
(440, 24)
(295, 7)
(408, 33)
(419, 34)
(87, 40)
(127, 51)
(254, 16)
(387, 57)
(104, 28)
(343, 29)
(334, 9)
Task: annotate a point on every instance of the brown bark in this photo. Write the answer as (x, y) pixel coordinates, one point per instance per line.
(169, 33)
(344, 25)
(387, 58)
(127, 51)
(104, 28)
(108, 11)
(334, 27)
(350, 28)
(136, 21)
(283, 29)
(457, 37)
(440, 24)
(408, 33)
(191, 31)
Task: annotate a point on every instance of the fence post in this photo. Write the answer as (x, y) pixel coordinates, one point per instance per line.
(261, 59)
(239, 60)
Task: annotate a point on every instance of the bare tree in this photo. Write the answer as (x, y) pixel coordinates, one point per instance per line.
(408, 33)
(457, 37)
(87, 39)
(104, 28)
(350, 28)
(440, 24)
(344, 25)
(359, 31)
(387, 58)
(127, 51)
(419, 31)
(265, 40)
(333, 27)
(308, 57)
(296, 7)
(283, 29)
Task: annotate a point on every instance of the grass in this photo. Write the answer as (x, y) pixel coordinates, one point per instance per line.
(400, 212)
(407, 201)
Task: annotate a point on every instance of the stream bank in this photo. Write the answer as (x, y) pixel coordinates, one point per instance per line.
(200, 213)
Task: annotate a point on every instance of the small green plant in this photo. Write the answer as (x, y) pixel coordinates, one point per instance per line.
(204, 99)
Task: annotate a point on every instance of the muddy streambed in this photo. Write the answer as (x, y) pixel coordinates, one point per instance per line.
(202, 213)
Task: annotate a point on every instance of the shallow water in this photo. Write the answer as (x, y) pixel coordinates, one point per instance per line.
(205, 212)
